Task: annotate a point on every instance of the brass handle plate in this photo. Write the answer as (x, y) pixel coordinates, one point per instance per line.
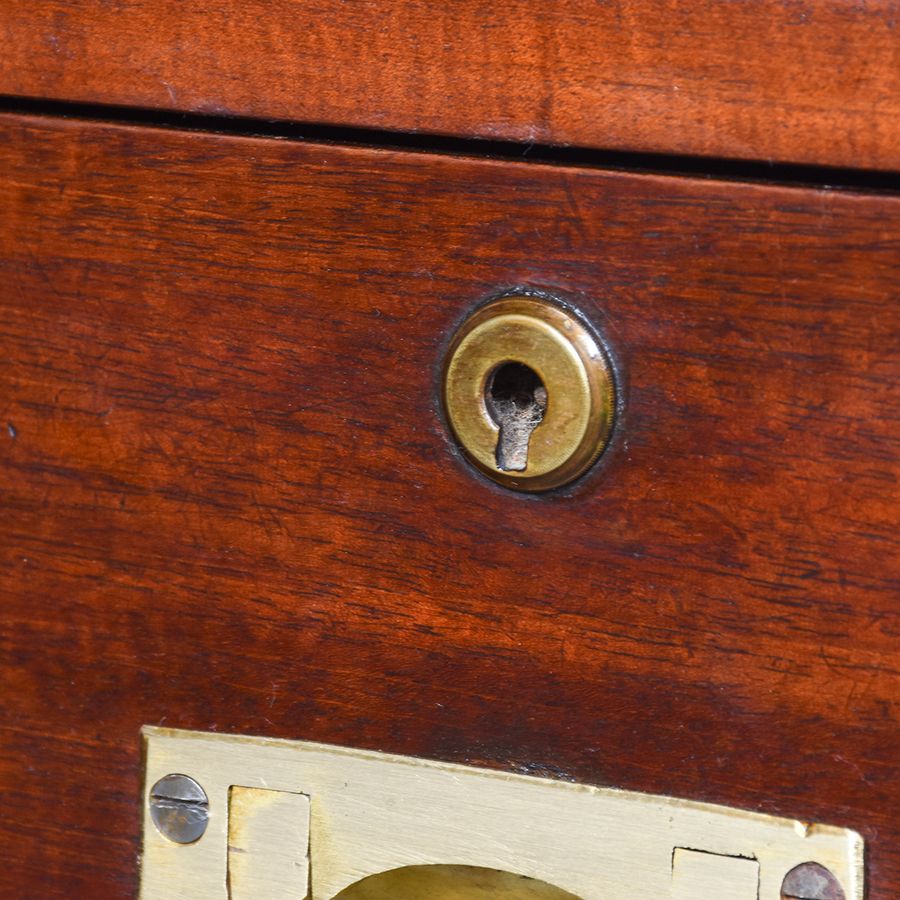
(291, 819)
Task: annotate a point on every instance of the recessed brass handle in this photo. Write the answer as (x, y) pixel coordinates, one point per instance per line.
(529, 392)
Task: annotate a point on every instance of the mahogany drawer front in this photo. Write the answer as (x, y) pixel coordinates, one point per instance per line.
(811, 81)
(230, 501)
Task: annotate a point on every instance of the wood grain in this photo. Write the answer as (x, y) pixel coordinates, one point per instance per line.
(808, 81)
(230, 502)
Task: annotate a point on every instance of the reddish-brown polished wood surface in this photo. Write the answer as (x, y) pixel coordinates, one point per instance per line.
(229, 501)
(812, 81)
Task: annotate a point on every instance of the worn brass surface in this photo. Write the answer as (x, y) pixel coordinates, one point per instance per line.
(573, 367)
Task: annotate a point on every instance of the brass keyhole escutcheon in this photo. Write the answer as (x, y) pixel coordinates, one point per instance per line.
(529, 392)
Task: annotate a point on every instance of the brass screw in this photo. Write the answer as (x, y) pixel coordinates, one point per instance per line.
(179, 808)
(811, 881)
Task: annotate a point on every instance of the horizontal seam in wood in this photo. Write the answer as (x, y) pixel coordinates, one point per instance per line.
(788, 174)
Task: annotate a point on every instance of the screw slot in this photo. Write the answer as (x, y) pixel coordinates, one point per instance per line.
(811, 881)
(179, 808)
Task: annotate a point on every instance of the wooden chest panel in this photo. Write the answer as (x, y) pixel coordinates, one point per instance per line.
(230, 502)
(804, 81)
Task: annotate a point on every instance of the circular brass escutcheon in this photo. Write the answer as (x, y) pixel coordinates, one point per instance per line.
(529, 393)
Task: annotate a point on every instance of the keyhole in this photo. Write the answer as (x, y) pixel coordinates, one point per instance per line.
(516, 401)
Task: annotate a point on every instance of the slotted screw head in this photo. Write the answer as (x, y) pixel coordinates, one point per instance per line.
(811, 881)
(179, 808)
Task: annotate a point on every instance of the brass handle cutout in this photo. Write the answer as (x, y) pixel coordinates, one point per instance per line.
(451, 882)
